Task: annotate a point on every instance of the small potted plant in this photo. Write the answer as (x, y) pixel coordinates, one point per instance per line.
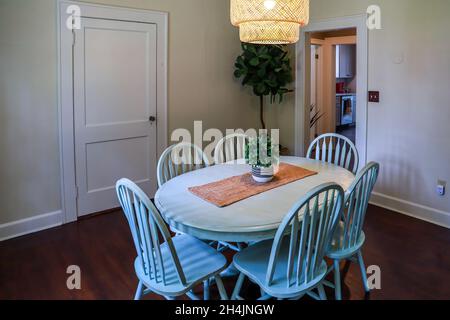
(263, 155)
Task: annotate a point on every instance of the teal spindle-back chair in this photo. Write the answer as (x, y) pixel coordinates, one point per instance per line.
(349, 237)
(293, 264)
(167, 266)
(336, 149)
(179, 159)
(231, 149)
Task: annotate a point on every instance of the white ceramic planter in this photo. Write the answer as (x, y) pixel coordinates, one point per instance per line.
(263, 175)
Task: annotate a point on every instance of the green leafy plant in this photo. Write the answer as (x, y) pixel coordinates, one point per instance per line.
(267, 69)
(261, 151)
(316, 115)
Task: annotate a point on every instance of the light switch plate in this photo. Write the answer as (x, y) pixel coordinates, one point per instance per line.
(374, 96)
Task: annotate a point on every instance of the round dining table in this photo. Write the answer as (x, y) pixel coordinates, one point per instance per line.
(253, 219)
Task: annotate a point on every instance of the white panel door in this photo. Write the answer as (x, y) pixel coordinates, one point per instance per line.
(114, 105)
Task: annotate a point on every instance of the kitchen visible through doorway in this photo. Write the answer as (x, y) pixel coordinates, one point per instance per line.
(333, 83)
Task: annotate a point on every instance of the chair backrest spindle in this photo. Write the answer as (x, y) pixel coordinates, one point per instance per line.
(147, 229)
(356, 203)
(230, 148)
(179, 159)
(310, 225)
(335, 149)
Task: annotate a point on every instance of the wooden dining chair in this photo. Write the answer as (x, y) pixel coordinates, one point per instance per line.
(336, 149)
(231, 149)
(167, 266)
(293, 264)
(349, 236)
(179, 159)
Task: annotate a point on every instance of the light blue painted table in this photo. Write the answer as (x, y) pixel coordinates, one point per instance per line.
(253, 219)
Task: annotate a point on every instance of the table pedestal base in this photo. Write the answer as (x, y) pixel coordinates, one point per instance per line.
(230, 272)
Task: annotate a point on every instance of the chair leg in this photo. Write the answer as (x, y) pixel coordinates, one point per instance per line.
(206, 290)
(362, 267)
(220, 286)
(139, 291)
(263, 293)
(265, 297)
(337, 280)
(191, 295)
(322, 293)
(238, 287)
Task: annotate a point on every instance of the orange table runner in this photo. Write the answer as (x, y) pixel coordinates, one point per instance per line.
(229, 191)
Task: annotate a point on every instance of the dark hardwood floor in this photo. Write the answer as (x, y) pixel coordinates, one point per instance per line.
(414, 258)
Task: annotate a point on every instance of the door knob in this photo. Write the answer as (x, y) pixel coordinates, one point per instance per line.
(152, 119)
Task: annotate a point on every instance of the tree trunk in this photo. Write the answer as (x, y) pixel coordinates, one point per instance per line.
(261, 102)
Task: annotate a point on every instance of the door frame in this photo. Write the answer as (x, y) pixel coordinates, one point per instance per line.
(302, 86)
(319, 76)
(65, 40)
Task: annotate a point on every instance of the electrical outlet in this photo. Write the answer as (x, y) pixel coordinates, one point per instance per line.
(440, 189)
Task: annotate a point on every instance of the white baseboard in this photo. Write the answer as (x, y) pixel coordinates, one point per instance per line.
(411, 209)
(30, 225)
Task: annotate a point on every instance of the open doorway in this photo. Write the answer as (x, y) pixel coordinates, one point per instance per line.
(333, 79)
(331, 82)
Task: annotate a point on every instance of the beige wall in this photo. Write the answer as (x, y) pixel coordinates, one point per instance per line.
(280, 115)
(408, 132)
(202, 49)
(29, 161)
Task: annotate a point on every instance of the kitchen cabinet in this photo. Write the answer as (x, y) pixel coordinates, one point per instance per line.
(346, 61)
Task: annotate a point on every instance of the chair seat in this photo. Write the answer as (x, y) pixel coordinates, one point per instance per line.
(198, 260)
(253, 262)
(337, 251)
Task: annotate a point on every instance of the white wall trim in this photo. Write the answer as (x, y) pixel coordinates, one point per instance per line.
(34, 224)
(411, 209)
(341, 40)
(65, 87)
(301, 112)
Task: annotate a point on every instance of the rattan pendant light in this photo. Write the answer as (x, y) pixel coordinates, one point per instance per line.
(269, 21)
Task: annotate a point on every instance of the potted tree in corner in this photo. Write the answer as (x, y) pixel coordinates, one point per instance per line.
(267, 69)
